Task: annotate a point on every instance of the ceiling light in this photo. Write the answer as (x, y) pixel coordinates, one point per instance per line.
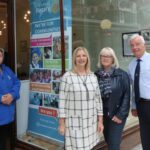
(28, 12)
(27, 16)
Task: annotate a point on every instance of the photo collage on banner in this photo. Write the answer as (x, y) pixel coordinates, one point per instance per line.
(45, 65)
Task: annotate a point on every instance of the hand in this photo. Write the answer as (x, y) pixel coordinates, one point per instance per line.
(134, 112)
(100, 127)
(61, 129)
(7, 99)
(116, 119)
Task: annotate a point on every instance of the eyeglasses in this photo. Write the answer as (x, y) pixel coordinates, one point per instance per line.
(105, 56)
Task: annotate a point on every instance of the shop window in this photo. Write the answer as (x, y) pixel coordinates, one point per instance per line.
(22, 38)
(39, 54)
(98, 24)
(95, 24)
(3, 30)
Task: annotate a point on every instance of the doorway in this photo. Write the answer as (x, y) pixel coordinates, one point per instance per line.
(7, 32)
(7, 43)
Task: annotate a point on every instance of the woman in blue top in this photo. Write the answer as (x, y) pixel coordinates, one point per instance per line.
(9, 93)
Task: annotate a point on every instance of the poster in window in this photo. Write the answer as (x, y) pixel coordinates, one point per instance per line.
(146, 34)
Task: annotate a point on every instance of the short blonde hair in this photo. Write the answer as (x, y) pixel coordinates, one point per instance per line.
(111, 52)
(88, 64)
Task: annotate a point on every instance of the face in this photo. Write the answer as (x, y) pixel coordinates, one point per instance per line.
(137, 47)
(106, 60)
(58, 45)
(1, 57)
(35, 57)
(81, 59)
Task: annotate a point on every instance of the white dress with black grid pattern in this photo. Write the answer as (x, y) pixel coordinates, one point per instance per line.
(80, 104)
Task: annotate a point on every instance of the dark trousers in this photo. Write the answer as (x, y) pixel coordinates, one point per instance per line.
(143, 108)
(5, 134)
(113, 133)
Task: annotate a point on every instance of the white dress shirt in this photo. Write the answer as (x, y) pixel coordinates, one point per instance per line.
(144, 81)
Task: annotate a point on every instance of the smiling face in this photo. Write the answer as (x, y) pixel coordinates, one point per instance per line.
(35, 57)
(137, 47)
(81, 59)
(1, 57)
(106, 60)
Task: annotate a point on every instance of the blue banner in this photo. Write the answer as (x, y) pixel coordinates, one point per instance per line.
(45, 65)
(48, 26)
(42, 10)
(43, 125)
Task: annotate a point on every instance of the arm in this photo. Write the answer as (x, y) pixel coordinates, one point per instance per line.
(99, 108)
(133, 104)
(16, 87)
(100, 126)
(125, 105)
(13, 93)
(98, 99)
(62, 126)
(63, 93)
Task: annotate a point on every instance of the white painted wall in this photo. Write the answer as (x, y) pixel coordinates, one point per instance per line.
(22, 108)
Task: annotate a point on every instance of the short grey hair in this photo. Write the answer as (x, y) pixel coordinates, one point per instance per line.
(2, 50)
(110, 51)
(139, 36)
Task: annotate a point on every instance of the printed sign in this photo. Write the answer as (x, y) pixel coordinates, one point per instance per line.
(45, 65)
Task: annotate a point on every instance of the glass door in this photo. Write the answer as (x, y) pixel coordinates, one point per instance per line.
(7, 43)
(7, 31)
(4, 29)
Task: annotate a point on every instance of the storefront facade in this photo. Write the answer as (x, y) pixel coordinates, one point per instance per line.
(39, 26)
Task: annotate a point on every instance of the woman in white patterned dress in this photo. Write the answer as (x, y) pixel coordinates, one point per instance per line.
(80, 107)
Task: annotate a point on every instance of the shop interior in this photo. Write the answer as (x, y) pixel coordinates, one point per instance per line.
(95, 24)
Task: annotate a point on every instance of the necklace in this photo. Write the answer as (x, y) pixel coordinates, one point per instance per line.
(83, 79)
(84, 83)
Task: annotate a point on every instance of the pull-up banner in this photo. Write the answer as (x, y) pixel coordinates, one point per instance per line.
(45, 64)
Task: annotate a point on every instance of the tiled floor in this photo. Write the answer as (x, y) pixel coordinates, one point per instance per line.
(47, 145)
(138, 147)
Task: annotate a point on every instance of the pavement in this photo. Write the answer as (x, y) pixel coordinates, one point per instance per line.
(138, 147)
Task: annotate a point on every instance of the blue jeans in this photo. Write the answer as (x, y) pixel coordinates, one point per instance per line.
(112, 133)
